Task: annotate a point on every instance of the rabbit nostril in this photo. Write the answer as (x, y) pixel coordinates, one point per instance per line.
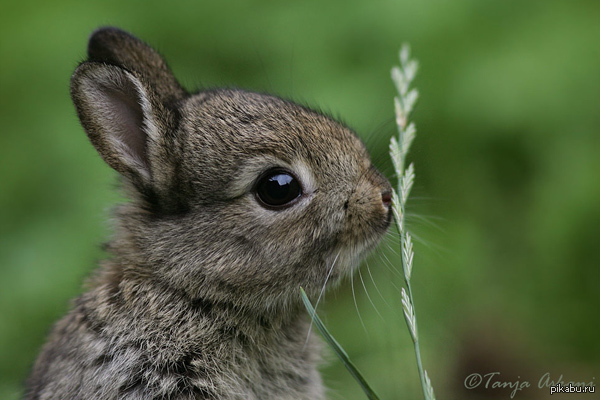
(386, 198)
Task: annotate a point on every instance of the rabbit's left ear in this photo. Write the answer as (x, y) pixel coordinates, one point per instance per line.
(122, 117)
(126, 98)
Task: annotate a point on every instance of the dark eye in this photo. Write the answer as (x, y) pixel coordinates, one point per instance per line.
(277, 188)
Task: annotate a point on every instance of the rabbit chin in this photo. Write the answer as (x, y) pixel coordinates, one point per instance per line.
(346, 259)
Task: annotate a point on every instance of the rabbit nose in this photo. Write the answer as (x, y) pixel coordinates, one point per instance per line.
(386, 198)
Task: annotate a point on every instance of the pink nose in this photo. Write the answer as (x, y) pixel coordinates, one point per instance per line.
(386, 198)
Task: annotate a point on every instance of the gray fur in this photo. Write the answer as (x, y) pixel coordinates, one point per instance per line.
(200, 297)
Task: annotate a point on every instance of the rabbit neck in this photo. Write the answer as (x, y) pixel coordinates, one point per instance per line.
(259, 354)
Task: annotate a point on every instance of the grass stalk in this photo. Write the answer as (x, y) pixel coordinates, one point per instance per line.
(404, 102)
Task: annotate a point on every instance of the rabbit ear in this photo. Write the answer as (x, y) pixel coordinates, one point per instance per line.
(120, 115)
(113, 46)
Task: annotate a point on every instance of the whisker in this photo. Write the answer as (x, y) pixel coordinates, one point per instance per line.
(393, 234)
(368, 296)
(392, 267)
(312, 318)
(375, 285)
(355, 302)
(425, 219)
(389, 266)
(327, 279)
(392, 249)
(382, 131)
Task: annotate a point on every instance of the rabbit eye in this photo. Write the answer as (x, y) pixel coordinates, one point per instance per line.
(277, 189)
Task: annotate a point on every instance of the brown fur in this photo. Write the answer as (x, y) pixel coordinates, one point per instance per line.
(200, 298)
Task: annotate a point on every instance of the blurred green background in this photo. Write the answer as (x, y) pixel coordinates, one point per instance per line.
(507, 196)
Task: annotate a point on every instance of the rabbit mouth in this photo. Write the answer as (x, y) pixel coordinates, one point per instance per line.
(388, 218)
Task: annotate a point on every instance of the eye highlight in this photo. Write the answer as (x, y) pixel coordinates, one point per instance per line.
(277, 189)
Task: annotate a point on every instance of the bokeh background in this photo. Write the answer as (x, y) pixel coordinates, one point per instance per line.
(507, 197)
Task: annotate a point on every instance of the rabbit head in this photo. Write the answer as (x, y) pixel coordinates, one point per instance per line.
(236, 196)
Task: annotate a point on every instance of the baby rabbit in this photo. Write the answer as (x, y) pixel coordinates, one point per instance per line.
(236, 200)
